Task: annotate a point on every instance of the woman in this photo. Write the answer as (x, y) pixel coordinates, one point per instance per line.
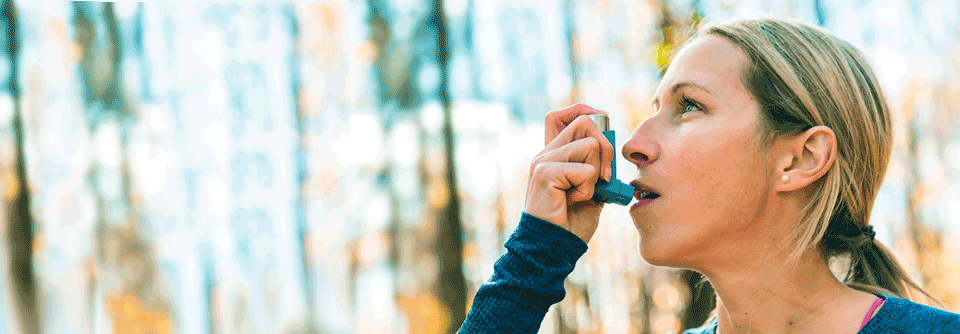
(761, 163)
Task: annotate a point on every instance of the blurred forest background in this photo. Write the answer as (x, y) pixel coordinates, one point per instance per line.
(341, 166)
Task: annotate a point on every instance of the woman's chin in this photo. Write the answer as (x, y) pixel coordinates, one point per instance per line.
(656, 254)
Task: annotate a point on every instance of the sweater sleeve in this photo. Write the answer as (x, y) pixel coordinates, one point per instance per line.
(526, 280)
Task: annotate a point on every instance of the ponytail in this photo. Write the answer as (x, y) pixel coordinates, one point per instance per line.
(872, 267)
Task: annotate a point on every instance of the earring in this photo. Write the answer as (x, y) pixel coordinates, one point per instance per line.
(785, 177)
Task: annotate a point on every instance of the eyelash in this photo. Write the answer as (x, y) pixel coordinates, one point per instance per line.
(686, 102)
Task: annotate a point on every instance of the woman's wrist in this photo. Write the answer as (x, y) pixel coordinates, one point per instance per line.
(547, 236)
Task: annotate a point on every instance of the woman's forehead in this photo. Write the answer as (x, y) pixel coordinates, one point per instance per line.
(708, 62)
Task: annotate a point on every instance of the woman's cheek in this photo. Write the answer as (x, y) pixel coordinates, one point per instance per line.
(707, 177)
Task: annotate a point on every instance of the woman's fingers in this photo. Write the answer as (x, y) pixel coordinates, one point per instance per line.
(581, 128)
(584, 150)
(575, 157)
(556, 121)
(555, 188)
(573, 181)
(577, 179)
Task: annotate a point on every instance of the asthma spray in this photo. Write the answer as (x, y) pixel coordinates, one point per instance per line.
(614, 191)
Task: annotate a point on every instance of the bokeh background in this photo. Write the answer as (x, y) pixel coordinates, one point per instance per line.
(345, 166)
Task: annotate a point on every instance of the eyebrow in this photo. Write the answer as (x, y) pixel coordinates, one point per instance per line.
(680, 85)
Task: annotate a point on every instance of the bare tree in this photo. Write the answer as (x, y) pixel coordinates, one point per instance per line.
(20, 222)
(451, 283)
(105, 100)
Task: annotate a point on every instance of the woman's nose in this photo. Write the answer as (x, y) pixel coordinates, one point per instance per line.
(640, 149)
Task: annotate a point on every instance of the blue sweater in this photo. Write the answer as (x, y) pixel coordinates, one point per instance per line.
(529, 278)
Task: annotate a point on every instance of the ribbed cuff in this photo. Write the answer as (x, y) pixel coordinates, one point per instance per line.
(539, 257)
(564, 244)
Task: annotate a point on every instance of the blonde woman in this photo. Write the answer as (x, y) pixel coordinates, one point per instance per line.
(768, 144)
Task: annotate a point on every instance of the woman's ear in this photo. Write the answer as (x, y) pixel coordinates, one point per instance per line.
(806, 157)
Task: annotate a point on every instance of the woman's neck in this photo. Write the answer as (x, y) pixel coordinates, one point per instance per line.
(768, 297)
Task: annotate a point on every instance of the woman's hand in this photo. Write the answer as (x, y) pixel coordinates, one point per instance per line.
(563, 175)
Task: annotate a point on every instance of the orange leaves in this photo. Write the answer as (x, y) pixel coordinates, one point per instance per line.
(8, 180)
(424, 313)
(130, 316)
(368, 51)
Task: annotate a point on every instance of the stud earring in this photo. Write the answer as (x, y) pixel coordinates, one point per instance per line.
(785, 177)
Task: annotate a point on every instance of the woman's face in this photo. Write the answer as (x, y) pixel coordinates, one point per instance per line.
(699, 152)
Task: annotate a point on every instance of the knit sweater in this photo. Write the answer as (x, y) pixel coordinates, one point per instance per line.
(529, 278)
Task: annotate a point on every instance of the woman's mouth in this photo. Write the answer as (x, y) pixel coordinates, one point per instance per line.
(646, 194)
(643, 195)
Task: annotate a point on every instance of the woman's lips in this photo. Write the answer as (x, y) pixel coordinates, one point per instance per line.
(641, 202)
(640, 188)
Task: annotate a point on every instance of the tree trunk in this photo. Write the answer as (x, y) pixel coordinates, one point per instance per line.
(20, 222)
(451, 283)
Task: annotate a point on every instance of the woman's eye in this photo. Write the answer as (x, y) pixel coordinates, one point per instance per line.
(689, 106)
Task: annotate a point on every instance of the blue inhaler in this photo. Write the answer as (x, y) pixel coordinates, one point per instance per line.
(613, 191)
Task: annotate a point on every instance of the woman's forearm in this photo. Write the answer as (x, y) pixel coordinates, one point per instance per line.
(526, 280)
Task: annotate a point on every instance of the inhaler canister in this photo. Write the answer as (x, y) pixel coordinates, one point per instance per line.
(614, 191)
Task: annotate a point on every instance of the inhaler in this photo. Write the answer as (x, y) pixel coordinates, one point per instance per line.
(614, 191)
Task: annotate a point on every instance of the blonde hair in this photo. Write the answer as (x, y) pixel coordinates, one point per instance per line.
(802, 76)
